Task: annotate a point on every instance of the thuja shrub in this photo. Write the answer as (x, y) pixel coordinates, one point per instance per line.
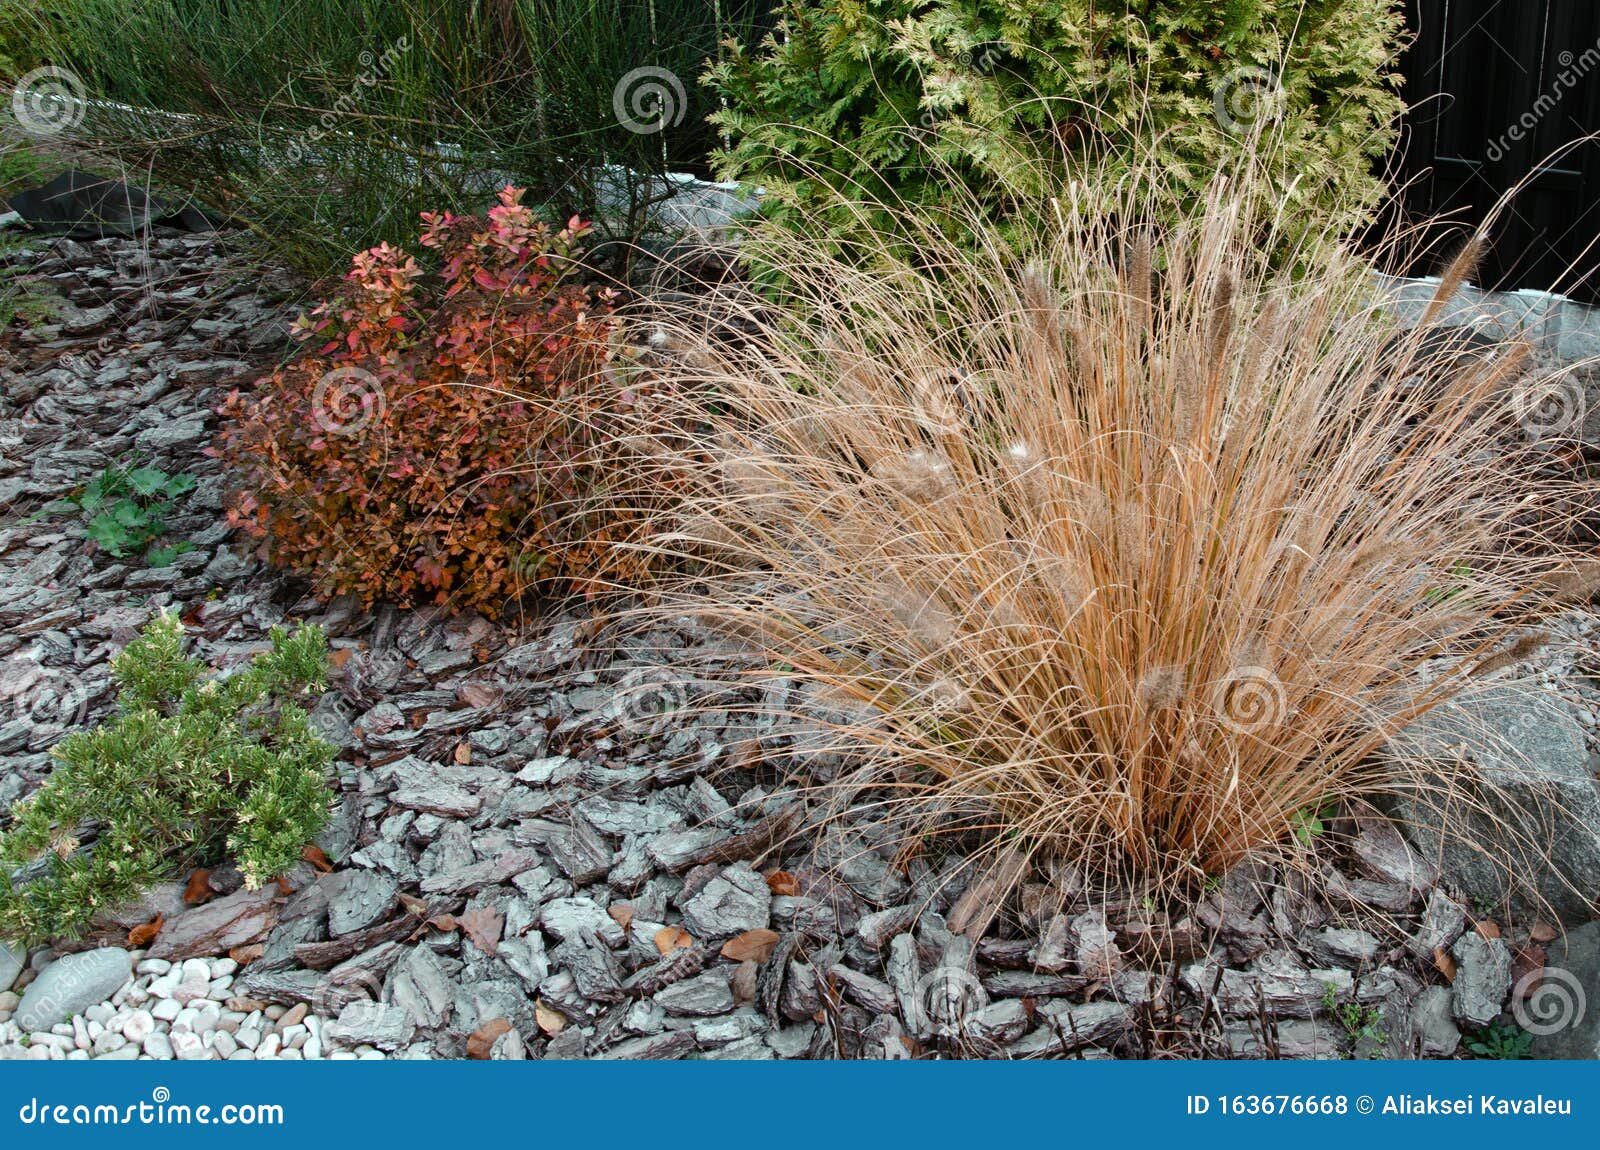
(932, 103)
(193, 769)
(448, 436)
(1129, 557)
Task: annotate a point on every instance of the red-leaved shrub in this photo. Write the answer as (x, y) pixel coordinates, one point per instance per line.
(448, 438)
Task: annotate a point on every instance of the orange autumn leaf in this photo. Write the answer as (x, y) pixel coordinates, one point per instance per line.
(1445, 964)
(339, 656)
(245, 955)
(483, 927)
(550, 1021)
(480, 1043)
(671, 938)
(751, 946)
(463, 753)
(1542, 932)
(198, 889)
(1488, 928)
(782, 882)
(623, 914)
(315, 855)
(145, 933)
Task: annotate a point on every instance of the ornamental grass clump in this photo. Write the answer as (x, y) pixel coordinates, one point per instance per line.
(191, 770)
(1125, 556)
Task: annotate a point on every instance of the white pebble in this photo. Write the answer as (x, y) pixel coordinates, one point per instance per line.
(290, 1055)
(167, 1009)
(242, 1055)
(153, 966)
(269, 1046)
(223, 1043)
(158, 1045)
(41, 1053)
(99, 1012)
(107, 1041)
(138, 1026)
(188, 1047)
(223, 967)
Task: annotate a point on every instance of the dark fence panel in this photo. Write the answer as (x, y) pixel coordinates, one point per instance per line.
(1497, 88)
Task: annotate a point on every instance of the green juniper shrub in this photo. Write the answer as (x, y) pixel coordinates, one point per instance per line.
(193, 768)
(932, 103)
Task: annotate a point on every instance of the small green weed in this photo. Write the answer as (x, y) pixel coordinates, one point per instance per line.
(1504, 1041)
(1358, 1021)
(126, 508)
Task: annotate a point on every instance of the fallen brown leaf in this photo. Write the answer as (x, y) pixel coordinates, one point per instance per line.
(339, 656)
(483, 927)
(743, 981)
(145, 933)
(623, 914)
(1527, 969)
(1444, 963)
(1542, 932)
(671, 938)
(1487, 928)
(782, 882)
(550, 1021)
(245, 955)
(411, 904)
(479, 695)
(751, 946)
(463, 753)
(198, 889)
(480, 1043)
(444, 922)
(315, 855)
